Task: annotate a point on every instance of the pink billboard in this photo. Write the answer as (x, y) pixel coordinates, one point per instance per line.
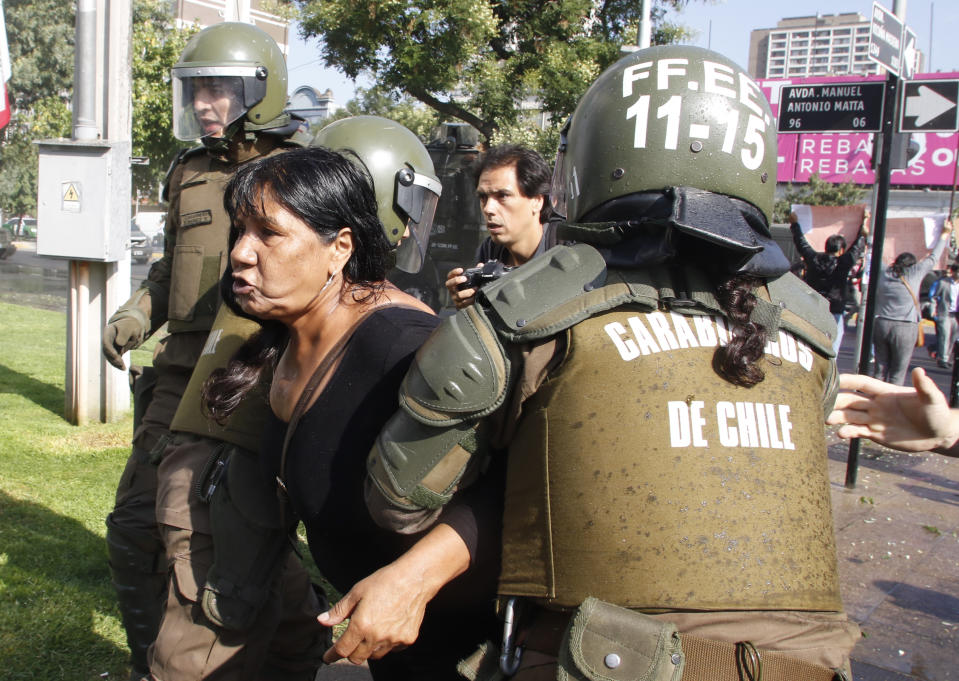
(845, 157)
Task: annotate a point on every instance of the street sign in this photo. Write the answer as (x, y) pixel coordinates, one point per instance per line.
(929, 106)
(910, 53)
(832, 107)
(885, 38)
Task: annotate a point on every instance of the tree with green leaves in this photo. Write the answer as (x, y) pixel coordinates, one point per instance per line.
(403, 109)
(40, 37)
(477, 60)
(818, 192)
(157, 44)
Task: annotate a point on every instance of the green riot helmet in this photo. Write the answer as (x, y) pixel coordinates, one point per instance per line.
(674, 136)
(227, 71)
(406, 186)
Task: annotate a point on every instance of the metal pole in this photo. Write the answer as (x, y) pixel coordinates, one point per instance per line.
(955, 166)
(644, 34)
(85, 67)
(932, 12)
(875, 263)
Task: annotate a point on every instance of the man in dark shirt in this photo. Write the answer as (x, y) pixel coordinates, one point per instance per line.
(513, 191)
(827, 272)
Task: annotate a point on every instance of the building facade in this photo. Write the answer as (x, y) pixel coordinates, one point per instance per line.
(311, 104)
(820, 45)
(205, 13)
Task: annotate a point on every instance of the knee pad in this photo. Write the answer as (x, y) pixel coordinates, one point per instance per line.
(138, 572)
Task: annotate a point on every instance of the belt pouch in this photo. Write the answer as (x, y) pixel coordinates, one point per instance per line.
(605, 642)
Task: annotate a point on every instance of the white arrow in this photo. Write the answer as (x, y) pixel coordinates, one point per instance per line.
(927, 105)
(909, 58)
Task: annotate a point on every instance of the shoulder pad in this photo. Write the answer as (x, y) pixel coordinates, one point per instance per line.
(181, 156)
(300, 138)
(521, 300)
(288, 128)
(461, 372)
(796, 307)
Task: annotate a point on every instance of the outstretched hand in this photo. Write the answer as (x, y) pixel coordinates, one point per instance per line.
(914, 419)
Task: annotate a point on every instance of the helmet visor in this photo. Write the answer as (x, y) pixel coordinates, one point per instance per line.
(558, 190)
(417, 199)
(208, 99)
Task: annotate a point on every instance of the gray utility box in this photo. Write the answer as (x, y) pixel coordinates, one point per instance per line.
(83, 199)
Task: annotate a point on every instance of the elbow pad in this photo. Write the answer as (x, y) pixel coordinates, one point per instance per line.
(434, 444)
(421, 456)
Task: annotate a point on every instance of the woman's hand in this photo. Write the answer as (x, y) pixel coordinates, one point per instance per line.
(914, 419)
(386, 608)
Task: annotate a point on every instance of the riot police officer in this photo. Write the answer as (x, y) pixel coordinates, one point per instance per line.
(659, 389)
(229, 90)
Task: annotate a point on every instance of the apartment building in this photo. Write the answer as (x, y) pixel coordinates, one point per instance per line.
(820, 45)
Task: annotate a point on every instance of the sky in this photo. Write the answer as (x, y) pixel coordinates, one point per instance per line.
(720, 25)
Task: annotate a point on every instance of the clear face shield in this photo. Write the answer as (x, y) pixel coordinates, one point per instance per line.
(207, 99)
(417, 196)
(558, 191)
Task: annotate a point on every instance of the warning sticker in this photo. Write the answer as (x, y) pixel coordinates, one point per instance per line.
(71, 197)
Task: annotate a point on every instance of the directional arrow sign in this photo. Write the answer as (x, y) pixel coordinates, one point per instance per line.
(910, 53)
(929, 106)
(885, 38)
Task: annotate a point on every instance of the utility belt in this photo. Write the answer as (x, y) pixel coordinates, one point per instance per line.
(601, 641)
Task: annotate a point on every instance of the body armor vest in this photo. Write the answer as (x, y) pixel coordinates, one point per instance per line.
(639, 476)
(200, 251)
(202, 227)
(245, 425)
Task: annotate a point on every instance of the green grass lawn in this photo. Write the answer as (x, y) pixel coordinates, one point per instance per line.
(58, 615)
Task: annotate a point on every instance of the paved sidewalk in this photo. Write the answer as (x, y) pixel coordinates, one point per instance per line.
(897, 535)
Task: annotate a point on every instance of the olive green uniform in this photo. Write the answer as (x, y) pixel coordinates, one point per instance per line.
(182, 291)
(214, 506)
(636, 474)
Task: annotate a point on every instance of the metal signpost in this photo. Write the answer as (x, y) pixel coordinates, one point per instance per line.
(885, 47)
(832, 107)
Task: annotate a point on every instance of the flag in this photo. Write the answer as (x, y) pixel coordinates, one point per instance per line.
(4, 71)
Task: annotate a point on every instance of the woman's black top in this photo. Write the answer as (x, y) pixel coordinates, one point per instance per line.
(326, 459)
(324, 475)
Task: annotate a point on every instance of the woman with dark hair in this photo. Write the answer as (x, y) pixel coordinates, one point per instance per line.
(897, 310)
(309, 258)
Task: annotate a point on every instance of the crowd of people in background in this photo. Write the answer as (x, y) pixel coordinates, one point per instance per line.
(899, 310)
